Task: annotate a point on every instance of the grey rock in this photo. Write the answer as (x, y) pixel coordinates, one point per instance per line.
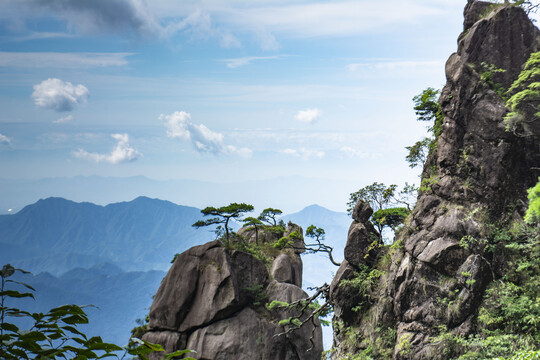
(298, 245)
(477, 172)
(362, 244)
(212, 301)
(170, 340)
(238, 337)
(205, 284)
(362, 211)
(287, 268)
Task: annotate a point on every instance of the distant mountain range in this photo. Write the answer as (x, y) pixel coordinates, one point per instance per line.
(115, 256)
(56, 235)
(274, 192)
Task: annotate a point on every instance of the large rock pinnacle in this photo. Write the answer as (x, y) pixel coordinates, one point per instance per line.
(432, 278)
(213, 300)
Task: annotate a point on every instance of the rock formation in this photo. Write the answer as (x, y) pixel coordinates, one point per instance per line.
(213, 301)
(434, 276)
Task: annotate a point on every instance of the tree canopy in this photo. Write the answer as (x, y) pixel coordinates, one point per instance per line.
(223, 215)
(426, 108)
(269, 216)
(384, 200)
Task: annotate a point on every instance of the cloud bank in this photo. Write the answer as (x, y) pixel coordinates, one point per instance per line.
(308, 115)
(204, 140)
(122, 152)
(4, 140)
(58, 95)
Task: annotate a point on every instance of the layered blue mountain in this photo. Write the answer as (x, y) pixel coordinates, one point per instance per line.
(57, 235)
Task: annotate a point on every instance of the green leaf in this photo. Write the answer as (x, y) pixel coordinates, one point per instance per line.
(21, 283)
(9, 327)
(15, 294)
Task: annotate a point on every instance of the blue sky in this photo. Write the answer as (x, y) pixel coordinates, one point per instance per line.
(219, 91)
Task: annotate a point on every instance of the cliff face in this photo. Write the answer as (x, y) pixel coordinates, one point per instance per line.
(433, 278)
(213, 301)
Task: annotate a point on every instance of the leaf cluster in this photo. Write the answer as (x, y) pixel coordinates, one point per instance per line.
(426, 108)
(54, 334)
(524, 101)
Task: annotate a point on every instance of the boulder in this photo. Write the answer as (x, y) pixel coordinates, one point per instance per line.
(362, 244)
(362, 211)
(213, 300)
(288, 269)
(205, 284)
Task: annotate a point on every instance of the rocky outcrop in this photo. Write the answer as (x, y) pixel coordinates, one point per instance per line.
(213, 301)
(435, 274)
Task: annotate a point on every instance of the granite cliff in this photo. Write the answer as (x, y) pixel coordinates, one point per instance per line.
(214, 301)
(404, 301)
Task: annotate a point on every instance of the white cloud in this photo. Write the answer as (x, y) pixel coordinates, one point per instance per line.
(64, 119)
(59, 95)
(4, 140)
(204, 140)
(122, 152)
(304, 153)
(308, 115)
(237, 62)
(62, 60)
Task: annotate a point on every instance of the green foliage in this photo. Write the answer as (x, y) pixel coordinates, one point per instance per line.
(269, 216)
(290, 321)
(174, 258)
(533, 212)
(363, 282)
(255, 223)
(524, 355)
(382, 199)
(487, 72)
(50, 332)
(377, 195)
(391, 217)
(287, 241)
(524, 101)
(427, 183)
(426, 108)
(223, 215)
(527, 5)
(510, 313)
(54, 335)
(256, 294)
(318, 234)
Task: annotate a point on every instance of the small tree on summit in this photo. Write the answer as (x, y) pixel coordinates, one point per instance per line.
(223, 215)
(255, 223)
(269, 216)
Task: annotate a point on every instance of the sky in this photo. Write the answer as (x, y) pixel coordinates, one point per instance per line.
(237, 91)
